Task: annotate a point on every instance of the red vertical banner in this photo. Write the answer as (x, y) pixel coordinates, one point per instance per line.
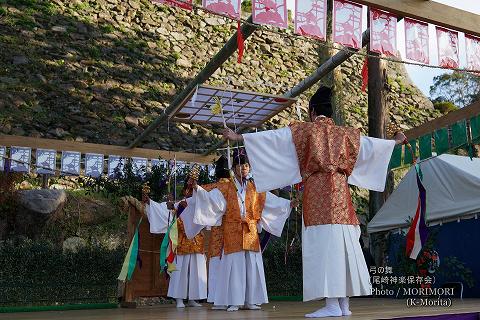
(311, 18)
(271, 12)
(230, 8)
(347, 23)
(447, 43)
(416, 41)
(383, 32)
(473, 52)
(184, 4)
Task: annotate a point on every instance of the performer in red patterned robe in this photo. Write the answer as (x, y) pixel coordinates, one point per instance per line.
(326, 158)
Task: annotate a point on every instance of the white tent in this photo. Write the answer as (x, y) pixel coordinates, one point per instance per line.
(452, 184)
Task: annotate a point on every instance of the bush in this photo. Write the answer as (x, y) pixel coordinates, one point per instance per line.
(284, 279)
(127, 183)
(38, 273)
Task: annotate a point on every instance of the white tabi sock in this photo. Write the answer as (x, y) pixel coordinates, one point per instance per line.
(232, 308)
(252, 307)
(180, 303)
(345, 306)
(332, 309)
(193, 303)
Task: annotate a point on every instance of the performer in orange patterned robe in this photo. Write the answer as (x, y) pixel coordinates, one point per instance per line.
(241, 212)
(215, 243)
(326, 158)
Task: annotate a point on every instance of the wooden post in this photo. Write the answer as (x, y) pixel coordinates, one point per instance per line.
(45, 178)
(128, 300)
(376, 128)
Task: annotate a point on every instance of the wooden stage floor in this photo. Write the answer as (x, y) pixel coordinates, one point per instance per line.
(363, 309)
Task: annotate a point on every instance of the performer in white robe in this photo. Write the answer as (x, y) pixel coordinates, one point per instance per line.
(189, 281)
(323, 155)
(243, 213)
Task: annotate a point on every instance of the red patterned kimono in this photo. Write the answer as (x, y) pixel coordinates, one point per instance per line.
(326, 155)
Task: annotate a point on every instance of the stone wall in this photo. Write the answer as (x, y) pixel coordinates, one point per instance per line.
(101, 70)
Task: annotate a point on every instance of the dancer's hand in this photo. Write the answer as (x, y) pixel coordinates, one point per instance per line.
(183, 203)
(170, 203)
(145, 198)
(400, 138)
(229, 134)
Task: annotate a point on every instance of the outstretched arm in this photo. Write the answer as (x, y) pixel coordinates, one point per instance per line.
(272, 156)
(229, 134)
(371, 167)
(209, 207)
(275, 213)
(158, 216)
(400, 138)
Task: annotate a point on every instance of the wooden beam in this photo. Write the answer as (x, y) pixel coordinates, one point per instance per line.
(432, 12)
(444, 121)
(216, 62)
(83, 147)
(327, 67)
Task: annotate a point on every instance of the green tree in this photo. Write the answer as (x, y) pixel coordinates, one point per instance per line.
(459, 88)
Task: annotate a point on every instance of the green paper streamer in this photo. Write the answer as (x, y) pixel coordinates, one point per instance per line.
(396, 159)
(425, 143)
(441, 141)
(164, 247)
(475, 127)
(459, 134)
(408, 157)
(470, 151)
(131, 258)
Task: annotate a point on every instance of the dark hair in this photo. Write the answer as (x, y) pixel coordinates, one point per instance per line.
(221, 168)
(321, 102)
(239, 157)
(186, 188)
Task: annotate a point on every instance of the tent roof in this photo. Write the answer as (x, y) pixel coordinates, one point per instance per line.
(452, 184)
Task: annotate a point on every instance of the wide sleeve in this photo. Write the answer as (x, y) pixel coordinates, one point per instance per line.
(273, 159)
(209, 207)
(158, 216)
(274, 214)
(191, 228)
(371, 167)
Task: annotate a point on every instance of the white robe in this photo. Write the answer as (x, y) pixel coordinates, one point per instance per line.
(333, 262)
(240, 278)
(190, 279)
(213, 269)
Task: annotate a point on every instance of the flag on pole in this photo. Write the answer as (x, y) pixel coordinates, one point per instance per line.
(417, 234)
(168, 247)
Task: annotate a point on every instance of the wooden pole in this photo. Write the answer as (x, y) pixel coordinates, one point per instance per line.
(45, 178)
(212, 66)
(376, 128)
